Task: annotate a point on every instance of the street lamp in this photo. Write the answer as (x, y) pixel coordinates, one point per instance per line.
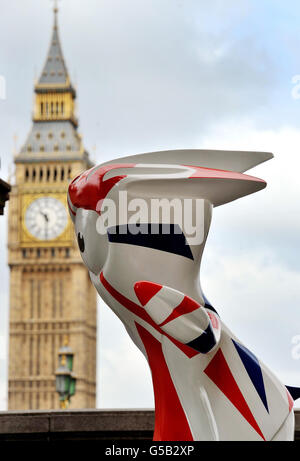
(65, 378)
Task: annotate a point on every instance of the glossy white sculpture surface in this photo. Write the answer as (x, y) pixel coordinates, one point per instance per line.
(207, 384)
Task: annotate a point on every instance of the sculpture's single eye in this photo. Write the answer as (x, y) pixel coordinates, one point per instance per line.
(80, 240)
(92, 245)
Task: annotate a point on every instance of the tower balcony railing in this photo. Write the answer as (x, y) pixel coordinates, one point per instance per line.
(54, 117)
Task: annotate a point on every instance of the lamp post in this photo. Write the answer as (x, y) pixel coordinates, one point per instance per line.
(65, 378)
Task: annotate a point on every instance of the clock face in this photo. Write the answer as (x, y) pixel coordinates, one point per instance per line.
(46, 218)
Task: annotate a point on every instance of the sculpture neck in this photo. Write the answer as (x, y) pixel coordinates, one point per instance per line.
(161, 258)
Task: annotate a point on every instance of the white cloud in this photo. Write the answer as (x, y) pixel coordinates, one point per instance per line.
(151, 74)
(270, 218)
(258, 298)
(251, 268)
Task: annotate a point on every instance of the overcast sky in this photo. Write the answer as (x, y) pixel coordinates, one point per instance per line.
(161, 74)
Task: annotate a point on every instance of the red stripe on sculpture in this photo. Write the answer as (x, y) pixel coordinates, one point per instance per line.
(141, 313)
(290, 401)
(214, 320)
(170, 419)
(146, 290)
(219, 372)
(90, 189)
(211, 173)
(186, 306)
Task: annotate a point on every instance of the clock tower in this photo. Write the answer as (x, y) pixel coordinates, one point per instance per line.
(51, 296)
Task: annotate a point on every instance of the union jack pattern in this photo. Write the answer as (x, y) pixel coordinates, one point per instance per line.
(207, 384)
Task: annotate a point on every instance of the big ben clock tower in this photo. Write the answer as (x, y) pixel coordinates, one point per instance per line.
(51, 296)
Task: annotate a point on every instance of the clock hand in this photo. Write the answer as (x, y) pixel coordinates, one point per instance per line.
(46, 224)
(46, 230)
(45, 216)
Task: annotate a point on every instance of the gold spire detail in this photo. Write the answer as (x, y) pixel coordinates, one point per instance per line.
(55, 95)
(55, 8)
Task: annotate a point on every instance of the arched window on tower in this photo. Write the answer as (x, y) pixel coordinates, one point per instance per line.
(62, 174)
(55, 174)
(57, 109)
(42, 108)
(62, 108)
(52, 108)
(26, 175)
(33, 174)
(48, 174)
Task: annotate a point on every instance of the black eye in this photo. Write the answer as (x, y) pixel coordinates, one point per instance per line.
(80, 240)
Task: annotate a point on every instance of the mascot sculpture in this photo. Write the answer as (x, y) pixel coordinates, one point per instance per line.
(207, 384)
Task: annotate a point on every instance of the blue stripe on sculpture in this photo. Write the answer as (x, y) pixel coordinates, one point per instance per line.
(208, 304)
(253, 369)
(294, 391)
(163, 237)
(205, 342)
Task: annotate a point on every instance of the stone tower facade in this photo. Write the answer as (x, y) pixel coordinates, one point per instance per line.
(51, 296)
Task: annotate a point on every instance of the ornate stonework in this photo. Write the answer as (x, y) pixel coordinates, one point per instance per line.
(50, 292)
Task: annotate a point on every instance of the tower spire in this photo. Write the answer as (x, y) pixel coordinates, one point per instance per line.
(51, 155)
(55, 8)
(55, 71)
(55, 11)
(55, 123)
